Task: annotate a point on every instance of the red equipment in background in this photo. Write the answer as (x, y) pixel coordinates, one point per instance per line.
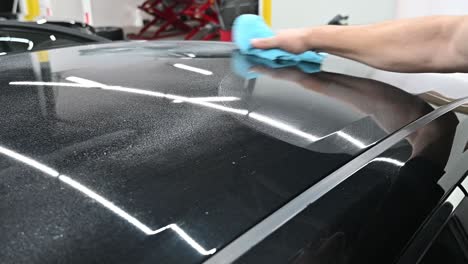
(178, 17)
(207, 18)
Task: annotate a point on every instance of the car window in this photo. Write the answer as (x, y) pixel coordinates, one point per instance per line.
(451, 245)
(15, 40)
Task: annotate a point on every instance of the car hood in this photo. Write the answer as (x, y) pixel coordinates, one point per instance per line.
(159, 152)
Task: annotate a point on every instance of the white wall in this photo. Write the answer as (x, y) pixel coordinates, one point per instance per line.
(67, 10)
(301, 13)
(285, 14)
(415, 8)
(120, 13)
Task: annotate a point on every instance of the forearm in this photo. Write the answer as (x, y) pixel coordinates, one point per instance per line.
(411, 45)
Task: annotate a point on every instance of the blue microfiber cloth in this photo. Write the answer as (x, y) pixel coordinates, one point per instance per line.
(242, 64)
(248, 27)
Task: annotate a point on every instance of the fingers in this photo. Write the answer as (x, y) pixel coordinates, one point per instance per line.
(265, 43)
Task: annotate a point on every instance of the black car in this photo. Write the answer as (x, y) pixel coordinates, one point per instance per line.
(166, 152)
(110, 33)
(25, 36)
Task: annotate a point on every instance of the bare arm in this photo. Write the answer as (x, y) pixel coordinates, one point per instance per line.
(435, 44)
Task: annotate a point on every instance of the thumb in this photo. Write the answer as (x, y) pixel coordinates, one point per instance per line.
(265, 43)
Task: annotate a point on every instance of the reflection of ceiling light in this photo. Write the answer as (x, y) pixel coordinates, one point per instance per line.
(389, 160)
(104, 202)
(2, 53)
(282, 126)
(177, 98)
(132, 220)
(207, 104)
(53, 38)
(28, 161)
(192, 69)
(295, 131)
(64, 84)
(41, 21)
(190, 240)
(203, 101)
(211, 99)
(84, 81)
(20, 40)
(216, 99)
(351, 139)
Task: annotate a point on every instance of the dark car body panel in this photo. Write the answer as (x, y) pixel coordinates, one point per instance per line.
(372, 216)
(82, 27)
(28, 36)
(149, 152)
(450, 243)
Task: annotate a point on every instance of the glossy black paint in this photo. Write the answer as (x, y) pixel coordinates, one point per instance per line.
(373, 215)
(82, 27)
(450, 244)
(142, 166)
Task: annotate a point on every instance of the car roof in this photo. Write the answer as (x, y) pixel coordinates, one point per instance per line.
(164, 151)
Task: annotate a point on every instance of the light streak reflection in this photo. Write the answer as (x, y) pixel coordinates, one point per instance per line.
(41, 21)
(104, 202)
(212, 99)
(389, 160)
(28, 161)
(63, 84)
(192, 69)
(282, 126)
(207, 102)
(132, 220)
(19, 40)
(351, 139)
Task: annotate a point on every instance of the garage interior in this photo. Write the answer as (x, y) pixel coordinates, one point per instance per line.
(158, 20)
(281, 14)
(139, 122)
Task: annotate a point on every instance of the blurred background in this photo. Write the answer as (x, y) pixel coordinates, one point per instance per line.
(217, 15)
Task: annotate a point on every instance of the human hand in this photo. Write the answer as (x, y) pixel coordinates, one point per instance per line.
(292, 40)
